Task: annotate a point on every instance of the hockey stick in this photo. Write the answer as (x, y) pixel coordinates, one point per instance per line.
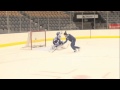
(58, 47)
(52, 48)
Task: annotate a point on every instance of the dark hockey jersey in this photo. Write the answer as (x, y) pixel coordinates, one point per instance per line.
(70, 38)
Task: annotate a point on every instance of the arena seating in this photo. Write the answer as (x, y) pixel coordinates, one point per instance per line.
(54, 18)
(22, 21)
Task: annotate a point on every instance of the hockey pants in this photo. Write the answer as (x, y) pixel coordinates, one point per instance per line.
(73, 45)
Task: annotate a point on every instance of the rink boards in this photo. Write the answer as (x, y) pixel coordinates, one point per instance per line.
(21, 38)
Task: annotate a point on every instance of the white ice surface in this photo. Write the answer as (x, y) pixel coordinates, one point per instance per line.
(97, 59)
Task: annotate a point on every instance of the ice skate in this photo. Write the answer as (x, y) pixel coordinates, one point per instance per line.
(75, 50)
(78, 49)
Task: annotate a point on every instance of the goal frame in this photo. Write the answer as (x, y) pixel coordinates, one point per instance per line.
(31, 33)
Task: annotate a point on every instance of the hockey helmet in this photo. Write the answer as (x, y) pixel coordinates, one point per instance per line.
(57, 33)
(65, 33)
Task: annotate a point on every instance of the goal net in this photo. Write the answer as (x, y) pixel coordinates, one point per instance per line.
(36, 39)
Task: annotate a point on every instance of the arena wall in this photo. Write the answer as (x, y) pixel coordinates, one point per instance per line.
(21, 38)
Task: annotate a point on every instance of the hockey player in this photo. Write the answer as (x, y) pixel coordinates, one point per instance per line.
(72, 39)
(57, 40)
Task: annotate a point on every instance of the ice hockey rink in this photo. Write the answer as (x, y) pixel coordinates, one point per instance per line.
(97, 59)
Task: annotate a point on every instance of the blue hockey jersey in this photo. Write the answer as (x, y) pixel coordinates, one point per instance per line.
(70, 38)
(57, 38)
